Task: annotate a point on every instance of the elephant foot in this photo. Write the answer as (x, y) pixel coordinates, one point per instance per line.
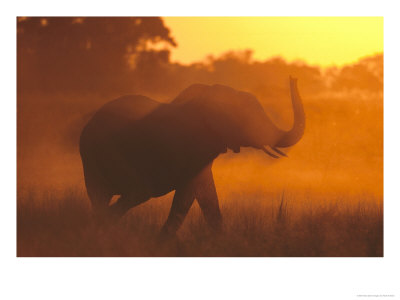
(169, 245)
(103, 220)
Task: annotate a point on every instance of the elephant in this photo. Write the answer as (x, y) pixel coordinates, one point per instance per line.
(138, 148)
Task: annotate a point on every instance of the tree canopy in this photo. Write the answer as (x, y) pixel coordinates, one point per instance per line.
(73, 53)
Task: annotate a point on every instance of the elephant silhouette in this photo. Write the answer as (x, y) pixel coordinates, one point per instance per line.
(139, 148)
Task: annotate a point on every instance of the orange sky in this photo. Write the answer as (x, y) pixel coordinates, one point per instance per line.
(325, 41)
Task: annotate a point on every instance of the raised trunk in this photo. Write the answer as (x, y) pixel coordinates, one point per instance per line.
(291, 137)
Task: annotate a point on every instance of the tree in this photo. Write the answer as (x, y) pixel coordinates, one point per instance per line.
(64, 53)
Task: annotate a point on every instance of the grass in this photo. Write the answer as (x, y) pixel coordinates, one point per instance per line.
(60, 224)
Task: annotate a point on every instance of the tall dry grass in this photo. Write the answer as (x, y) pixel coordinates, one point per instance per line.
(276, 224)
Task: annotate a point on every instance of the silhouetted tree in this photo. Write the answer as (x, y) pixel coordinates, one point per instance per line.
(84, 53)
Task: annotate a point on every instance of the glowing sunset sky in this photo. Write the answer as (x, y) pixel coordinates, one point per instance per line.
(324, 41)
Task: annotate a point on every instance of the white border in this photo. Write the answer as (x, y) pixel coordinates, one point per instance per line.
(204, 278)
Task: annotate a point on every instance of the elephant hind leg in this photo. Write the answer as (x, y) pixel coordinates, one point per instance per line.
(98, 194)
(99, 200)
(126, 202)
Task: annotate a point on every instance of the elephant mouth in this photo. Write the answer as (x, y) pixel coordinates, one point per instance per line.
(235, 149)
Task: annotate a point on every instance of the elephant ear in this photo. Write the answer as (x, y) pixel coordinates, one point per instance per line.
(211, 104)
(226, 134)
(216, 104)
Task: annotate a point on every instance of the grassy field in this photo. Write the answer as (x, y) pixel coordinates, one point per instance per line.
(281, 224)
(332, 204)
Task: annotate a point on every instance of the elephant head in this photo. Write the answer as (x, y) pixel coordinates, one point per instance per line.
(239, 120)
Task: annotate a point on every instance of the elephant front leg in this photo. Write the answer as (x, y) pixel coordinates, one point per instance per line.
(183, 200)
(202, 188)
(207, 198)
